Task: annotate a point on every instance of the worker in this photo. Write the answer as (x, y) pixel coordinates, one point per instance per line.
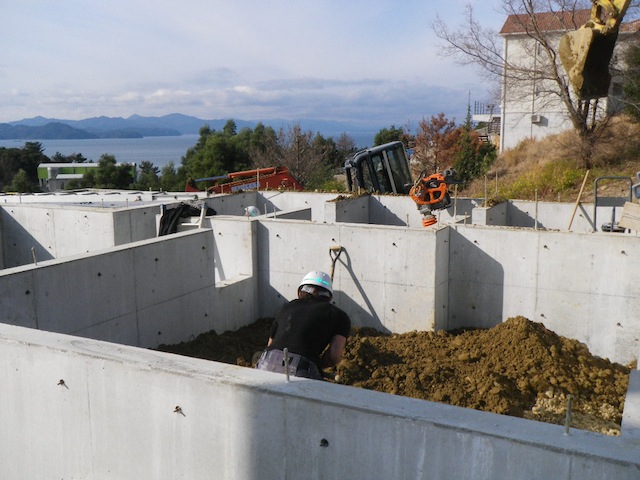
(311, 328)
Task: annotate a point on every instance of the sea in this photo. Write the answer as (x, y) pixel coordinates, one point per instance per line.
(158, 150)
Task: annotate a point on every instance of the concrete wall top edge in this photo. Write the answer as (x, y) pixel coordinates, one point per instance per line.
(45, 263)
(445, 416)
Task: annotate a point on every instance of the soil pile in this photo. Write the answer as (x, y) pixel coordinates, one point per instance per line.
(517, 368)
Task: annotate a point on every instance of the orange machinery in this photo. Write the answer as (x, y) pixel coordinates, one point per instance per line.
(431, 192)
(272, 178)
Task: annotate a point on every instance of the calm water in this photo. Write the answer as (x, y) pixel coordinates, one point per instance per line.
(158, 150)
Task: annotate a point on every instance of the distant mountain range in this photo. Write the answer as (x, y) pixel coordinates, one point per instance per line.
(136, 126)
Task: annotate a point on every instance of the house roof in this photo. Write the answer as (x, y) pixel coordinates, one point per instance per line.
(546, 21)
(630, 27)
(556, 21)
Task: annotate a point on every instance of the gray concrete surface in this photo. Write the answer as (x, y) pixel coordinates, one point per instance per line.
(106, 276)
(86, 409)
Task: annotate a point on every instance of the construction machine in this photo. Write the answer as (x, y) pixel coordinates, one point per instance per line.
(385, 169)
(586, 52)
(262, 178)
(381, 169)
(431, 192)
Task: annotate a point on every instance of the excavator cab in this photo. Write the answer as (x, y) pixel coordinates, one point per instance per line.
(586, 53)
(381, 169)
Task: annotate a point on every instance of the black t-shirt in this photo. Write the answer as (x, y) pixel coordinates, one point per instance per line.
(306, 326)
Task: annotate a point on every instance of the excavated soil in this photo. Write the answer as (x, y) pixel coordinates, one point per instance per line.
(517, 368)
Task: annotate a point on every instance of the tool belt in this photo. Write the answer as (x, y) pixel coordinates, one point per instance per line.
(299, 366)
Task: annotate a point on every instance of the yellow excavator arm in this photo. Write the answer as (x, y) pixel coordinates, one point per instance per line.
(586, 53)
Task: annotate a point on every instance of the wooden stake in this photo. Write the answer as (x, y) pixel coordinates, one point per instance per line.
(575, 208)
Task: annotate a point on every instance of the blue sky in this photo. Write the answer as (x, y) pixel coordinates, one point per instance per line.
(359, 61)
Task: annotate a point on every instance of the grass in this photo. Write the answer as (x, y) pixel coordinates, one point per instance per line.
(550, 170)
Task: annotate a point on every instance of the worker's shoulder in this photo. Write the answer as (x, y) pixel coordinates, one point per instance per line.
(337, 310)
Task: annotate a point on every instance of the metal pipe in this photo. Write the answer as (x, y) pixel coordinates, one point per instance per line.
(567, 418)
(455, 202)
(536, 215)
(485, 191)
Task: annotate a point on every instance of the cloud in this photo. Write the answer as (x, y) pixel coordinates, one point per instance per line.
(358, 61)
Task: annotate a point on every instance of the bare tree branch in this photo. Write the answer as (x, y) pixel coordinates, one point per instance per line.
(537, 71)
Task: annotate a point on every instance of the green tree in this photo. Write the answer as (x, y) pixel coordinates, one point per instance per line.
(216, 153)
(230, 128)
(148, 178)
(264, 149)
(472, 157)
(328, 148)
(169, 179)
(391, 134)
(73, 158)
(21, 183)
(109, 174)
(27, 158)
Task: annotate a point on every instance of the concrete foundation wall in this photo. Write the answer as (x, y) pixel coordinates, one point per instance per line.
(372, 279)
(558, 216)
(580, 286)
(144, 294)
(85, 409)
(394, 278)
(80, 408)
(57, 231)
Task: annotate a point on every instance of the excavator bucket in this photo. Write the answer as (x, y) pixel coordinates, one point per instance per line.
(585, 54)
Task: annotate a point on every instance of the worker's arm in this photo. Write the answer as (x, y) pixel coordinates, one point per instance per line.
(269, 342)
(333, 354)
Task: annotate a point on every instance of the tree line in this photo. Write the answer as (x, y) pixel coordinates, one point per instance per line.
(312, 159)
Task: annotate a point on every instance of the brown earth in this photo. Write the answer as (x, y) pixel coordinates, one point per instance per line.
(517, 368)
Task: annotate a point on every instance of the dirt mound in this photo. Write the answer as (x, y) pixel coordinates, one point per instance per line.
(517, 368)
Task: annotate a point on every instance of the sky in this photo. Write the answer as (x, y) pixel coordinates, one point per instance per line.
(366, 62)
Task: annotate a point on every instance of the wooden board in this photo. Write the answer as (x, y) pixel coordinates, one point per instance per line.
(630, 218)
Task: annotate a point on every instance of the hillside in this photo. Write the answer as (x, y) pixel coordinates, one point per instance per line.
(176, 124)
(551, 168)
(52, 130)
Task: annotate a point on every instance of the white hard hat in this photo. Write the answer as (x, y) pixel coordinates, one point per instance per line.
(318, 279)
(251, 211)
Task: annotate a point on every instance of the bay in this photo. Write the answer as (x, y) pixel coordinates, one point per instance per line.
(157, 150)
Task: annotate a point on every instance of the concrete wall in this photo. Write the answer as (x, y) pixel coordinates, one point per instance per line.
(558, 216)
(146, 293)
(56, 231)
(395, 278)
(1, 242)
(390, 278)
(115, 410)
(581, 286)
(59, 230)
(85, 409)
